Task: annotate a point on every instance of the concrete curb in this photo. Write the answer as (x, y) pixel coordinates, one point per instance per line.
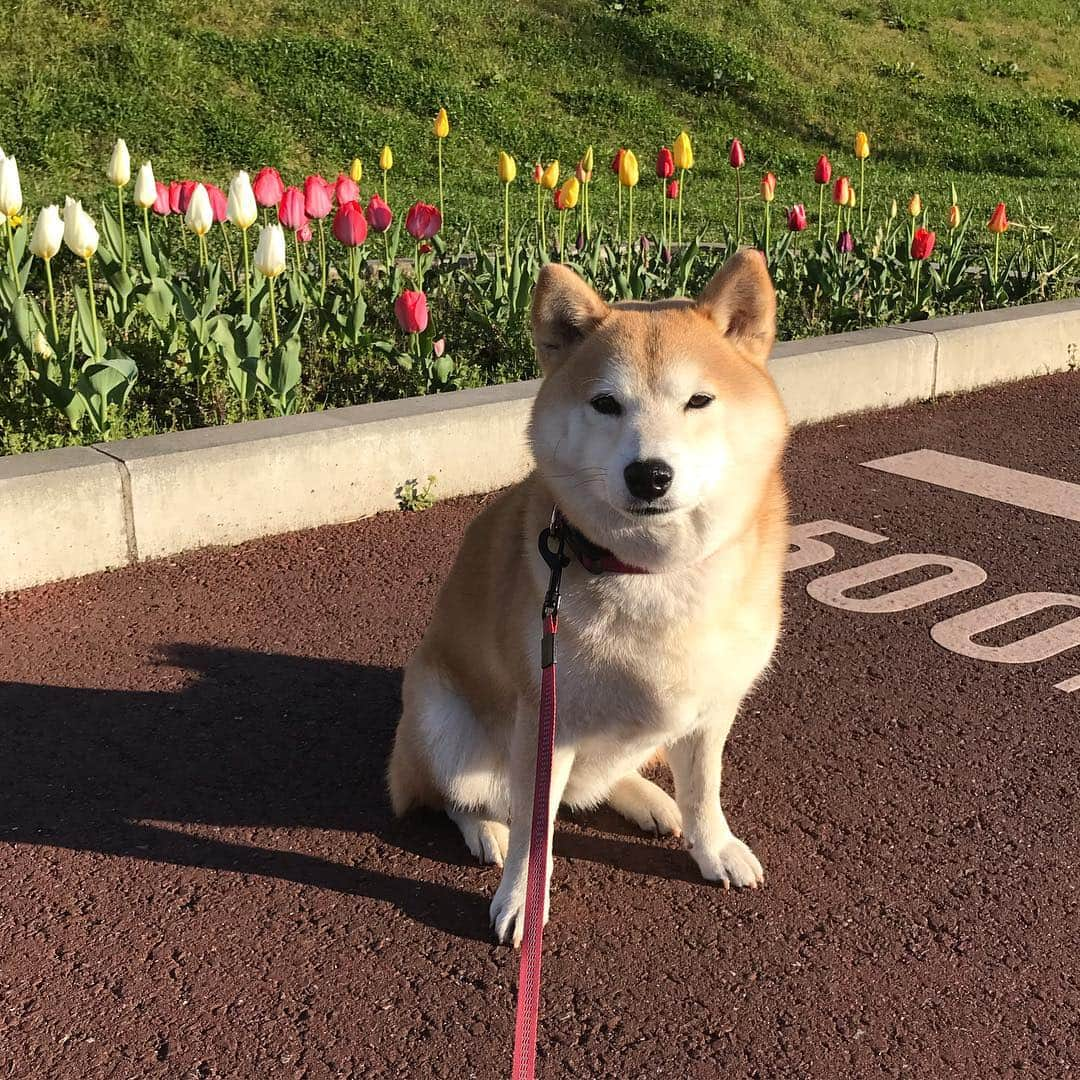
(64, 513)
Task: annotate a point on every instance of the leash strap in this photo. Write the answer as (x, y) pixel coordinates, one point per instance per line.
(536, 887)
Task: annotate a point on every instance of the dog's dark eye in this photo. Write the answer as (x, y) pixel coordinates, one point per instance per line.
(699, 401)
(606, 405)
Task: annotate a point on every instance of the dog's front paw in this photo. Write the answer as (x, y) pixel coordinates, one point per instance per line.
(508, 909)
(732, 863)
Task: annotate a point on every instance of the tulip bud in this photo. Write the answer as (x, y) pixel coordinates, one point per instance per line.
(242, 210)
(550, 177)
(954, 217)
(438, 347)
(268, 187)
(852, 201)
(378, 213)
(219, 204)
(538, 173)
(587, 162)
(304, 233)
(80, 234)
(914, 207)
(796, 218)
(386, 159)
(557, 197)
(145, 188)
(10, 188)
(768, 187)
(411, 309)
(579, 171)
(200, 214)
(628, 169)
(120, 165)
(571, 189)
(841, 191)
(616, 162)
(356, 170)
(48, 233)
(736, 158)
(187, 189)
(270, 251)
(862, 145)
(442, 124)
(507, 168)
(350, 226)
(291, 211)
(317, 200)
(665, 164)
(40, 345)
(684, 152)
(922, 244)
(999, 220)
(893, 210)
(673, 189)
(823, 170)
(423, 221)
(846, 243)
(162, 204)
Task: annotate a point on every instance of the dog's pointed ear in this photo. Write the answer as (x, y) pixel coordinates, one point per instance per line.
(741, 300)
(564, 310)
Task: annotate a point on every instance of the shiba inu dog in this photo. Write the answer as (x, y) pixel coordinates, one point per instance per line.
(657, 433)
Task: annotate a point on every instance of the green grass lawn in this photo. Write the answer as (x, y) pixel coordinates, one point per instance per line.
(983, 93)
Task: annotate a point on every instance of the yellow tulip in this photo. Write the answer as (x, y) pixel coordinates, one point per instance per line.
(571, 189)
(356, 170)
(862, 145)
(628, 169)
(386, 159)
(914, 207)
(954, 216)
(507, 168)
(550, 176)
(683, 152)
(442, 124)
(587, 161)
(851, 199)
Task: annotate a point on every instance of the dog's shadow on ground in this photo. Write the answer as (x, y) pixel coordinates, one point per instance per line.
(253, 740)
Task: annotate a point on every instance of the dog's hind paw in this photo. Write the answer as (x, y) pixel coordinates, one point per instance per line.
(486, 839)
(733, 863)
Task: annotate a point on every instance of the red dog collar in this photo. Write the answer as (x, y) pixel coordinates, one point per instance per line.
(595, 559)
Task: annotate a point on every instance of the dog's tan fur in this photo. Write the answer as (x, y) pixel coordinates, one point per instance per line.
(647, 663)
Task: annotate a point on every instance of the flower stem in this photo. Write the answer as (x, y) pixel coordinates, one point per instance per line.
(273, 313)
(52, 300)
(506, 225)
(862, 194)
(322, 259)
(629, 231)
(682, 184)
(296, 255)
(146, 223)
(441, 211)
(918, 273)
(11, 253)
(247, 273)
(768, 228)
(93, 309)
(738, 206)
(618, 220)
(821, 211)
(997, 253)
(123, 231)
(562, 235)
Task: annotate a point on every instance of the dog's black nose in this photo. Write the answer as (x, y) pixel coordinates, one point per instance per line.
(648, 479)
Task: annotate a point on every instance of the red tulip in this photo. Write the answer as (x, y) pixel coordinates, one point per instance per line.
(219, 203)
(318, 197)
(423, 221)
(350, 225)
(187, 189)
(922, 244)
(174, 195)
(665, 164)
(346, 189)
(796, 218)
(162, 204)
(268, 187)
(557, 195)
(291, 211)
(616, 162)
(999, 220)
(768, 187)
(737, 159)
(823, 171)
(673, 189)
(378, 213)
(412, 312)
(537, 173)
(841, 191)
(304, 233)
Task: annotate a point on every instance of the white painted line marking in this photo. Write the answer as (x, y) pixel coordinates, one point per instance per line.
(1069, 685)
(1028, 490)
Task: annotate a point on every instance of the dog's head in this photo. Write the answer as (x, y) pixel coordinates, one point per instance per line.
(658, 428)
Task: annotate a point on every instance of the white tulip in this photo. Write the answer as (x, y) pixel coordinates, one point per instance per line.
(120, 165)
(42, 347)
(243, 210)
(270, 252)
(10, 188)
(145, 188)
(80, 234)
(48, 233)
(200, 214)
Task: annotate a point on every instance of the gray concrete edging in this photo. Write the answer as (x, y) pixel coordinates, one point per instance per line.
(69, 512)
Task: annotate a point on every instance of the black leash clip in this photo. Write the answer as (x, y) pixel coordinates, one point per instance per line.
(552, 544)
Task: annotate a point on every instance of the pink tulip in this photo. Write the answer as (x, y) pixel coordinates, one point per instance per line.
(219, 203)
(304, 233)
(162, 204)
(318, 197)
(673, 189)
(796, 219)
(268, 187)
(291, 211)
(379, 215)
(346, 189)
(186, 190)
(174, 195)
(737, 157)
(350, 225)
(412, 312)
(423, 221)
(438, 347)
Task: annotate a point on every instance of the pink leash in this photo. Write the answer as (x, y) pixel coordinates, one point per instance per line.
(536, 887)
